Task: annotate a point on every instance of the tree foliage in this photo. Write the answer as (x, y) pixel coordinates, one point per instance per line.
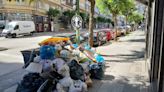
(112, 6)
(53, 12)
(135, 17)
(128, 7)
(69, 13)
(103, 20)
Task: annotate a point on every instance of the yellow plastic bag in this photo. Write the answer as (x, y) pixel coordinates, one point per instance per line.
(54, 40)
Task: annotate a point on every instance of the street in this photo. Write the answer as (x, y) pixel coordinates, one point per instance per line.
(11, 60)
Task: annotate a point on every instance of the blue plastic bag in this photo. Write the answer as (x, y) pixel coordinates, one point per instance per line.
(47, 52)
(75, 46)
(99, 58)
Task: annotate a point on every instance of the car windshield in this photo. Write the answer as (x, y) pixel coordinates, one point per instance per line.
(9, 26)
(1, 26)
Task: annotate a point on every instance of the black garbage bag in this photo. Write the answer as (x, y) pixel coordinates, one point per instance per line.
(97, 71)
(51, 82)
(33, 82)
(30, 83)
(76, 71)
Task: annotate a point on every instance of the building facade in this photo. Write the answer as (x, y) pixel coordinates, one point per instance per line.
(36, 11)
(155, 43)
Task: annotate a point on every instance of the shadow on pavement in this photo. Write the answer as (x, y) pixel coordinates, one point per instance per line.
(10, 76)
(121, 84)
(109, 77)
(3, 48)
(137, 40)
(136, 55)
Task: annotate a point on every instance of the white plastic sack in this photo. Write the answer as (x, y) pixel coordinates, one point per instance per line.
(78, 86)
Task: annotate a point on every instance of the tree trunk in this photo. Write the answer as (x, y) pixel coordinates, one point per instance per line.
(126, 21)
(115, 26)
(91, 22)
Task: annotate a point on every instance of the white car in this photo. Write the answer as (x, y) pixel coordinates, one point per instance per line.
(14, 28)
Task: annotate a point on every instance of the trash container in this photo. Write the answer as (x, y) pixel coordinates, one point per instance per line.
(28, 56)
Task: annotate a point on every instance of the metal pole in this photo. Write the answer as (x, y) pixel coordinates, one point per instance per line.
(77, 30)
(77, 6)
(85, 13)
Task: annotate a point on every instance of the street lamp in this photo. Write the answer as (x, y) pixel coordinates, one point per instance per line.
(76, 4)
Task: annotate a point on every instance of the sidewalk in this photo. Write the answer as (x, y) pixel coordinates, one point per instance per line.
(126, 69)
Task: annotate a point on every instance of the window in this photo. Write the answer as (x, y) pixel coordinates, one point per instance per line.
(17, 2)
(16, 27)
(9, 26)
(2, 26)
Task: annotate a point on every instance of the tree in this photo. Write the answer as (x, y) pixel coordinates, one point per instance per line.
(103, 20)
(113, 6)
(67, 16)
(128, 9)
(53, 12)
(135, 17)
(92, 2)
(84, 17)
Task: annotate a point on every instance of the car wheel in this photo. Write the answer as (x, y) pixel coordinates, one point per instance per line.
(13, 35)
(31, 34)
(7, 36)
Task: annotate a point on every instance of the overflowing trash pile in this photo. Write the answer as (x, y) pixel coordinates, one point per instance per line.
(62, 67)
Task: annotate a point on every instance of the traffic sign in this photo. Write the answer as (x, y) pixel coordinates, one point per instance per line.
(76, 21)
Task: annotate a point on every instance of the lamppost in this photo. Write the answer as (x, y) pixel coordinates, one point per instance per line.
(76, 21)
(77, 30)
(85, 19)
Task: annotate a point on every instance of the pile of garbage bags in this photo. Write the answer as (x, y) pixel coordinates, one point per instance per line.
(62, 67)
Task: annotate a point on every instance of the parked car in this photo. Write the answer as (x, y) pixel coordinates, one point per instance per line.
(121, 31)
(99, 37)
(128, 28)
(14, 28)
(110, 34)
